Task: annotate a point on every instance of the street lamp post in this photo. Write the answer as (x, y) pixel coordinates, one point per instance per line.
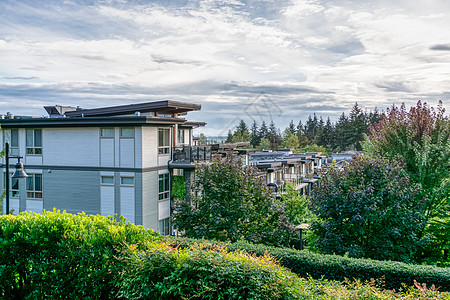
(20, 173)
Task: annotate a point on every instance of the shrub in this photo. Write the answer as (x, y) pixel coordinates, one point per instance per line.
(334, 267)
(59, 255)
(205, 272)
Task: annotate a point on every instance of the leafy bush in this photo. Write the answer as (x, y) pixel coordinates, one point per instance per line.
(369, 209)
(334, 267)
(231, 202)
(206, 272)
(58, 255)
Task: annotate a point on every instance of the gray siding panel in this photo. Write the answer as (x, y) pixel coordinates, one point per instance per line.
(150, 200)
(72, 191)
(138, 198)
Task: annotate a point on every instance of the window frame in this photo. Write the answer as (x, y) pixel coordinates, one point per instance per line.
(127, 184)
(179, 136)
(34, 192)
(122, 136)
(106, 136)
(165, 143)
(106, 183)
(164, 187)
(14, 192)
(33, 149)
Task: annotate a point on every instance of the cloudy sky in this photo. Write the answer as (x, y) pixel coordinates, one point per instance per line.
(257, 60)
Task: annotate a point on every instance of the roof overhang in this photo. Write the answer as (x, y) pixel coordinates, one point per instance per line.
(165, 107)
(89, 122)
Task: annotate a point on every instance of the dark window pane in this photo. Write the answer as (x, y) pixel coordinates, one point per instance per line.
(38, 138)
(14, 138)
(38, 182)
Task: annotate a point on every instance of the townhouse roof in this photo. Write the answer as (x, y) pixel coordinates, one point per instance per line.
(164, 107)
(124, 115)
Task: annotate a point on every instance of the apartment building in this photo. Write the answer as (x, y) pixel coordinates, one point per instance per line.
(108, 161)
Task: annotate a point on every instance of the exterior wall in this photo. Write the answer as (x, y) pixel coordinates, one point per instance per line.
(73, 162)
(68, 147)
(150, 200)
(72, 191)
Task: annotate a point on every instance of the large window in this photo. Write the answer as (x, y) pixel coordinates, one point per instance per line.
(163, 140)
(164, 191)
(34, 186)
(34, 141)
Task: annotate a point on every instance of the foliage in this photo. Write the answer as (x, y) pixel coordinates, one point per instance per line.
(264, 144)
(334, 267)
(207, 272)
(346, 133)
(230, 202)
(178, 187)
(296, 206)
(420, 138)
(202, 139)
(368, 209)
(59, 255)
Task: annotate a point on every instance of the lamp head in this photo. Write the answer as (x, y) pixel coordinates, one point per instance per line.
(19, 173)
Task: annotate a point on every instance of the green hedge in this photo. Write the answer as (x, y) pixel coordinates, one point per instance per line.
(334, 267)
(59, 255)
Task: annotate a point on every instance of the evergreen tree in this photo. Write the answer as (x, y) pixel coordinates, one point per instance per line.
(263, 131)
(292, 128)
(274, 137)
(229, 137)
(254, 135)
(357, 126)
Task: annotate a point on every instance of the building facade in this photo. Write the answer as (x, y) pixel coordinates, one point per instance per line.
(108, 161)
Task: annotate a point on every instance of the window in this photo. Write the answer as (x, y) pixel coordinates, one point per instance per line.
(164, 227)
(13, 185)
(164, 191)
(12, 136)
(180, 136)
(34, 141)
(107, 180)
(107, 132)
(163, 140)
(126, 132)
(127, 181)
(34, 186)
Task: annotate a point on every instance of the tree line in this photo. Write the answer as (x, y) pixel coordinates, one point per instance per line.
(314, 135)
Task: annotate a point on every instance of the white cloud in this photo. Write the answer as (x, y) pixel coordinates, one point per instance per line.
(306, 54)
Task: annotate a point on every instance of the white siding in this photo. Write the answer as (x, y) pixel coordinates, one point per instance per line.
(127, 208)
(149, 147)
(71, 146)
(163, 209)
(138, 147)
(107, 201)
(107, 152)
(35, 206)
(126, 153)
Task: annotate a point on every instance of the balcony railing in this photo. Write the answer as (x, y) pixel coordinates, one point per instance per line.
(192, 153)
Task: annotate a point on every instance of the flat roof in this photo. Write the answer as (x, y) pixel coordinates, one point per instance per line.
(89, 122)
(165, 106)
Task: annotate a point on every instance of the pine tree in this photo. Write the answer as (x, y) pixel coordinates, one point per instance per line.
(254, 135)
(263, 131)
